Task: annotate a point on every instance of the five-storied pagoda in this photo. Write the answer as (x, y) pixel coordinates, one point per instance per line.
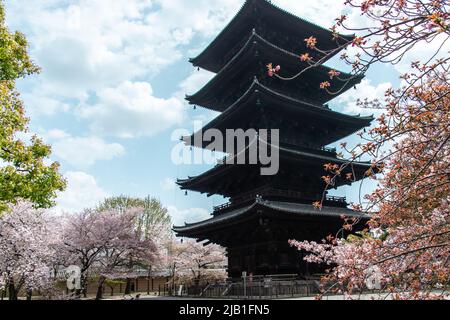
(265, 212)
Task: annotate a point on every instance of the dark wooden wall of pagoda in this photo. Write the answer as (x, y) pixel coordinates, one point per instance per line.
(265, 212)
(260, 245)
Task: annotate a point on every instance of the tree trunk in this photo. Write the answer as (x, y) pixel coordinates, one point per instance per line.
(101, 282)
(148, 280)
(12, 292)
(29, 294)
(197, 285)
(128, 287)
(84, 284)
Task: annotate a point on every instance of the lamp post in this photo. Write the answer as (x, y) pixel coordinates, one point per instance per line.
(149, 279)
(173, 278)
(244, 276)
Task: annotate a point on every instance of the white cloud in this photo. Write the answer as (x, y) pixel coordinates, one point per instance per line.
(191, 85)
(192, 215)
(92, 44)
(82, 192)
(87, 45)
(168, 184)
(130, 110)
(195, 82)
(424, 51)
(321, 12)
(365, 90)
(88, 48)
(203, 17)
(82, 152)
(37, 104)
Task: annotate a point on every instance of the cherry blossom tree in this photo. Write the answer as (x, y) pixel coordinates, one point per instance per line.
(405, 246)
(83, 242)
(103, 242)
(27, 250)
(196, 263)
(126, 246)
(152, 223)
(387, 32)
(407, 240)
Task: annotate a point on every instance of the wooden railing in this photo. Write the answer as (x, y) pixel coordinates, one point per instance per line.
(309, 148)
(268, 287)
(262, 193)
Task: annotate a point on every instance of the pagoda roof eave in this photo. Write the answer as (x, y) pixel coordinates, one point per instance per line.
(289, 58)
(192, 182)
(291, 209)
(247, 8)
(258, 90)
(310, 107)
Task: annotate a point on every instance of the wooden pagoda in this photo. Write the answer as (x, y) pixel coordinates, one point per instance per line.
(264, 212)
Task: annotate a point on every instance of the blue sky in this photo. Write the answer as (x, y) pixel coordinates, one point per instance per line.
(111, 90)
